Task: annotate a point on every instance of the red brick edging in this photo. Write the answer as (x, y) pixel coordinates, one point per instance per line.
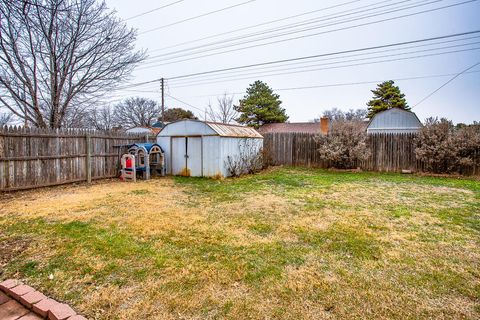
(27, 303)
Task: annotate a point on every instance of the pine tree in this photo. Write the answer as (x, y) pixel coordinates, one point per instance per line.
(386, 96)
(260, 106)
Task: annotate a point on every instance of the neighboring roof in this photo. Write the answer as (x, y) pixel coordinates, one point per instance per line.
(394, 120)
(159, 124)
(152, 130)
(189, 127)
(303, 127)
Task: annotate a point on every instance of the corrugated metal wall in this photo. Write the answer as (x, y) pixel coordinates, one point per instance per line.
(394, 121)
(215, 149)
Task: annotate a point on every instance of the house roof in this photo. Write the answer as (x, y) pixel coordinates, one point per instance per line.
(159, 124)
(303, 127)
(153, 130)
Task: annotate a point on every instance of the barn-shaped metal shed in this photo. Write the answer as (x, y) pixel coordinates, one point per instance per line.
(201, 149)
(394, 120)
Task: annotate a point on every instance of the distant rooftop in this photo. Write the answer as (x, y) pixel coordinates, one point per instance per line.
(302, 127)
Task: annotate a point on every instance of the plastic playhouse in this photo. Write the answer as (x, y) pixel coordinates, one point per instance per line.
(142, 159)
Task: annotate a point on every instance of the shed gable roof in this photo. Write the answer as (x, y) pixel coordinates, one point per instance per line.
(230, 130)
(190, 127)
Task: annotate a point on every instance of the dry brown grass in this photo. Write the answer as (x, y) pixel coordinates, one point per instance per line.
(289, 244)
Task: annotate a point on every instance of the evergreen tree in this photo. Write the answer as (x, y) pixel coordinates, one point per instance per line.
(386, 96)
(260, 106)
(175, 114)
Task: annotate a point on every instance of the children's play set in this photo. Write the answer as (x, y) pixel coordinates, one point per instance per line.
(142, 160)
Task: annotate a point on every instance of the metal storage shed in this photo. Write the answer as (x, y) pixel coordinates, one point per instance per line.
(200, 149)
(394, 120)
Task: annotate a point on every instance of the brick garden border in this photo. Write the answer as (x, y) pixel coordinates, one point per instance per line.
(35, 301)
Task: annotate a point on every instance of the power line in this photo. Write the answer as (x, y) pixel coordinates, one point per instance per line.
(446, 83)
(349, 83)
(327, 54)
(336, 67)
(153, 10)
(321, 86)
(300, 37)
(263, 35)
(309, 63)
(132, 85)
(197, 17)
(283, 27)
(254, 26)
(185, 103)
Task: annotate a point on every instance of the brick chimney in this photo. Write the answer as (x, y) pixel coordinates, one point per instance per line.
(324, 125)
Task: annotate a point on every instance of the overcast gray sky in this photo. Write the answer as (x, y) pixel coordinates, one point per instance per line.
(349, 25)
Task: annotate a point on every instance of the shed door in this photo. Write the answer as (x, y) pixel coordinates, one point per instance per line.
(187, 156)
(179, 160)
(194, 159)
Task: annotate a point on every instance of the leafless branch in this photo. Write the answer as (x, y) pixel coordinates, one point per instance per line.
(56, 55)
(224, 112)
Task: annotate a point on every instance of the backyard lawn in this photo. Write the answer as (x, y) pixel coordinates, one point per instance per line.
(288, 243)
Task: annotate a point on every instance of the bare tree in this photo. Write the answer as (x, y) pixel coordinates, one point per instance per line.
(5, 119)
(102, 118)
(77, 117)
(336, 114)
(224, 112)
(136, 112)
(56, 54)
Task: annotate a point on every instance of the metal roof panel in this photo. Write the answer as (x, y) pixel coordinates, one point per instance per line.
(230, 130)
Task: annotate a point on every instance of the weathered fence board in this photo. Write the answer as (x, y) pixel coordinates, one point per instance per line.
(31, 158)
(388, 152)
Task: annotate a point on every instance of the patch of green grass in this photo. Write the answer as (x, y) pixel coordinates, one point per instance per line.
(261, 228)
(104, 242)
(251, 263)
(468, 216)
(81, 245)
(398, 211)
(342, 240)
(267, 261)
(140, 192)
(441, 281)
(29, 268)
(293, 180)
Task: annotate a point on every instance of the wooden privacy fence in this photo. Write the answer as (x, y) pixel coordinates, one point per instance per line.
(389, 152)
(32, 158)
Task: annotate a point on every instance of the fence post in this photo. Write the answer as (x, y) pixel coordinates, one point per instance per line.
(88, 160)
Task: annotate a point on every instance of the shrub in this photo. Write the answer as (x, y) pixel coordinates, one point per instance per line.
(435, 145)
(345, 145)
(248, 160)
(446, 149)
(467, 140)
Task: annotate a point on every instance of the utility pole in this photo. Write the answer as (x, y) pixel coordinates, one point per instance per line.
(163, 100)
